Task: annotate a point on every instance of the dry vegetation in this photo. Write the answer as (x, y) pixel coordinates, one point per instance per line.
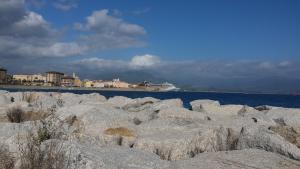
(38, 154)
(18, 115)
(120, 131)
(7, 161)
(42, 148)
(29, 97)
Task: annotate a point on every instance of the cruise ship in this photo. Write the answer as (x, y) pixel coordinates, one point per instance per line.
(169, 87)
(160, 87)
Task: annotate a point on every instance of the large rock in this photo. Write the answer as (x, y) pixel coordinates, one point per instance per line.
(170, 103)
(291, 134)
(70, 99)
(214, 107)
(85, 156)
(179, 139)
(241, 159)
(181, 113)
(93, 120)
(4, 100)
(119, 101)
(140, 104)
(284, 116)
(262, 138)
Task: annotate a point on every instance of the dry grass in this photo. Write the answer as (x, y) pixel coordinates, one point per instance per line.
(29, 97)
(42, 148)
(35, 155)
(18, 115)
(36, 115)
(120, 131)
(7, 161)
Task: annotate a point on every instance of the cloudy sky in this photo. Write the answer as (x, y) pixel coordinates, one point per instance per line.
(245, 45)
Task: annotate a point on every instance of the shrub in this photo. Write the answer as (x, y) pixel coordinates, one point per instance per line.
(41, 150)
(18, 115)
(121, 131)
(15, 115)
(7, 161)
(35, 154)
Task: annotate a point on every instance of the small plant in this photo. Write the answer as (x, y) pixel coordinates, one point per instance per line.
(7, 161)
(15, 115)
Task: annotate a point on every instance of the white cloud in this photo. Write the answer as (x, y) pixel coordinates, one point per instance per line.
(106, 31)
(141, 11)
(101, 22)
(99, 63)
(144, 60)
(284, 64)
(26, 34)
(32, 19)
(65, 5)
(140, 62)
(265, 65)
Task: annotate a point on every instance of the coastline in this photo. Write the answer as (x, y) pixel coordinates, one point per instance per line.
(72, 88)
(22, 87)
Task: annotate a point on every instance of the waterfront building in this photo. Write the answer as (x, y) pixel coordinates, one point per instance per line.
(3, 76)
(68, 81)
(77, 81)
(99, 83)
(29, 79)
(116, 83)
(54, 78)
(88, 83)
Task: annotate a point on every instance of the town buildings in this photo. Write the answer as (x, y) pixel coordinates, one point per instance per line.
(115, 83)
(54, 78)
(3, 76)
(119, 84)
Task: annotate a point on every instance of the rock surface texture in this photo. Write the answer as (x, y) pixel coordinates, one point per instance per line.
(148, 133)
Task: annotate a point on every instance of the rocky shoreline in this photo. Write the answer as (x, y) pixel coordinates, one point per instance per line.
(147, 133)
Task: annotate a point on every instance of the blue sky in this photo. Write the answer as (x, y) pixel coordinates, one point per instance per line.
(212, 44)
(200, 29)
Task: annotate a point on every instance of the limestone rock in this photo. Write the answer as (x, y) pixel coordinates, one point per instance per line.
(287, 116)
(214, 107)
(176, 144)
(114, 157)
(119, 101)
(240, 159)
(262, 138)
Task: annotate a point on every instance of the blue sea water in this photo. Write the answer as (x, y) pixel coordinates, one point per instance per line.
(291, 101)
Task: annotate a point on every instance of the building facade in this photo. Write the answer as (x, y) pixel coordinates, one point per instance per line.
(88, 83)
(34, 79)
(3, 75)
(68, 81)
(116, 83)
(54, 78)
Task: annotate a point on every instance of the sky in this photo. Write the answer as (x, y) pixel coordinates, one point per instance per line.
(235, 45)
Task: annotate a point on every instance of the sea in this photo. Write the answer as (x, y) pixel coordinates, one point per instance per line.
(289, 101)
